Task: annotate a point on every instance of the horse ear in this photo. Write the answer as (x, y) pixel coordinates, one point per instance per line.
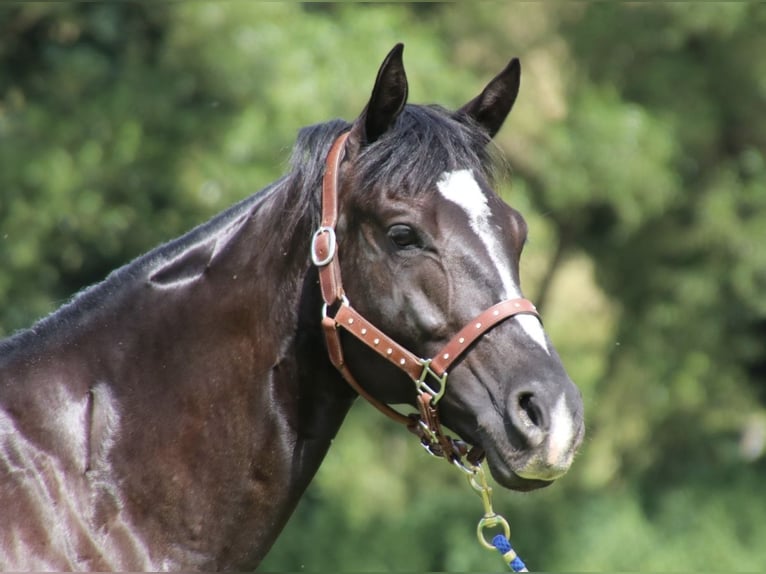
(387, 100)
(490, 108)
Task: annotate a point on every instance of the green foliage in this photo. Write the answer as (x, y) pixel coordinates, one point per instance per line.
(638, 147)
(684, 528)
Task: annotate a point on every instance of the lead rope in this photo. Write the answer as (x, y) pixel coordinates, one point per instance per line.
(500, 542)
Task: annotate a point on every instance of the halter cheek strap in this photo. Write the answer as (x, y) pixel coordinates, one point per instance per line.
(429, 375)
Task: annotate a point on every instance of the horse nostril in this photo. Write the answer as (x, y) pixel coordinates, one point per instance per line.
(528, 418)
(529, 411)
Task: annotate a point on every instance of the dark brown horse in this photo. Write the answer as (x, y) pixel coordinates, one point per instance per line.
(171, 416)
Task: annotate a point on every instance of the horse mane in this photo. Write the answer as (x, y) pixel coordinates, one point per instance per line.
(93, 297)
(424, 142)
(301, 208)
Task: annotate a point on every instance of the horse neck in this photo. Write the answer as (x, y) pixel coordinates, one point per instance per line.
(324, 398)
(299, 385)
(289, 303)
(219, 330)
(264, 294)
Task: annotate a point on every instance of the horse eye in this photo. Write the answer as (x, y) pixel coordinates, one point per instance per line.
(403, 236)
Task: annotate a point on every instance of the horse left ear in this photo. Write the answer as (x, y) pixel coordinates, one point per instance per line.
(387, 100)
(490, 108)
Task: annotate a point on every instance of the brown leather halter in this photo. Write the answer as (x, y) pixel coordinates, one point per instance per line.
(339, 314)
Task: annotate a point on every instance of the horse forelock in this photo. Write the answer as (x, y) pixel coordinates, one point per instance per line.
(424, 143)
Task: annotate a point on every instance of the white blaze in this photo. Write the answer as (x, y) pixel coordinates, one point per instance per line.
(561, 435)
(461, 188)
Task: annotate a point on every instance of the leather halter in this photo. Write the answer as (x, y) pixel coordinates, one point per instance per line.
(339, 314)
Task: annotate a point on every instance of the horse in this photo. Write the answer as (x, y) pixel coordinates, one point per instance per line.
(171, 416)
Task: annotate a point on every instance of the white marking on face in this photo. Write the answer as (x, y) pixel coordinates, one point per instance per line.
(534, 329)
(561, 435)
(461, 188)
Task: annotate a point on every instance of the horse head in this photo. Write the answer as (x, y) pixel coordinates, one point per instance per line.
(425, 246)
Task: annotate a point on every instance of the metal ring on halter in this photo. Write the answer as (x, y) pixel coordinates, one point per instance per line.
(332, 247)
(343, 301)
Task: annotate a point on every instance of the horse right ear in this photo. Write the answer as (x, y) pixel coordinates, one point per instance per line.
(386, 102)
(490, 108)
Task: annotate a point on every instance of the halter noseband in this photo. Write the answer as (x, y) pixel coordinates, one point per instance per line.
(338, 314)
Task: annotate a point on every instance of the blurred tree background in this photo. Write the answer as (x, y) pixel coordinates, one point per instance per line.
(638, 148)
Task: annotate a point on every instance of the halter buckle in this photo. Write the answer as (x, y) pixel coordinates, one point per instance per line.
(332, 244)
(423, 387)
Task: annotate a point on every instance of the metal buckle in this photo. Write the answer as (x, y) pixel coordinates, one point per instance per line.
(423, 387)
(332, 247)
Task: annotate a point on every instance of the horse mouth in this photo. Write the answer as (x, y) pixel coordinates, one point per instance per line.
(526, 467)
(500, 467)
(507, 478)
(514, 465)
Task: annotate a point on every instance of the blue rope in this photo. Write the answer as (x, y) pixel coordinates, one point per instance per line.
(503, 546)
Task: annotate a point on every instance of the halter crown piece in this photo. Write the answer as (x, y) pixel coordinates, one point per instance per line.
(428, 375)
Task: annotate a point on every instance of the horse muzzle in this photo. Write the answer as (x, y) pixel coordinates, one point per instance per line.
(538, 440)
